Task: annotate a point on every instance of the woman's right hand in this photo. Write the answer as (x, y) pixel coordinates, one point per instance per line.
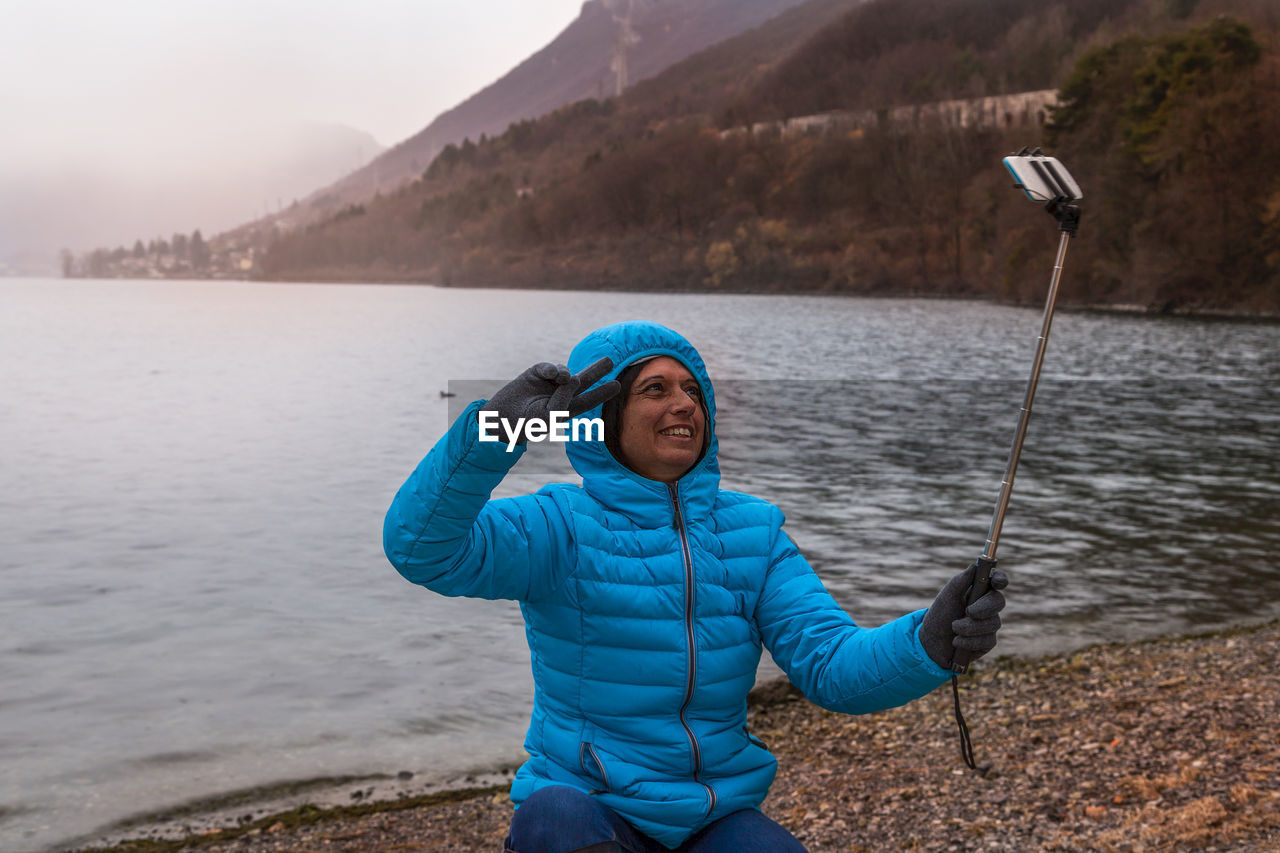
(546, 388)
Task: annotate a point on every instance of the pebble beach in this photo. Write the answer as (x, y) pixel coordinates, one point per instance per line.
(1165, 745)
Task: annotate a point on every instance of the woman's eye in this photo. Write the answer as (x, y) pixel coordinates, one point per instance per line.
(693, 391)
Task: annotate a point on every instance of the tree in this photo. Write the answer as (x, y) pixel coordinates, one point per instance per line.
(99, 263)
(1173, 132)
(198, 250)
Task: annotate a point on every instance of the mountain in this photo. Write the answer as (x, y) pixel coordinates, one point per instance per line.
(690, 181)
(577, 64)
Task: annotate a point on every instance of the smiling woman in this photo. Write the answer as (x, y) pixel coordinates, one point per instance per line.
(657, 426)
(649, 594)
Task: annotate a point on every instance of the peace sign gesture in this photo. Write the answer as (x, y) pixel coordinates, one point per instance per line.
(546, 388)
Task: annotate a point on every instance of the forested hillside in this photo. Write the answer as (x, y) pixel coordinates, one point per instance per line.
(1177, 137)
(1168, 114)
(932, 50)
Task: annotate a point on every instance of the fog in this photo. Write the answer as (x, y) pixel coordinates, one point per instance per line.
(146, 118)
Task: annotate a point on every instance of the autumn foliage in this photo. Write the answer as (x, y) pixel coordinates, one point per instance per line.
(1168, 117)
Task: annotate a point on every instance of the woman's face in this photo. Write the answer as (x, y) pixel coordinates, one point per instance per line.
(662, 421)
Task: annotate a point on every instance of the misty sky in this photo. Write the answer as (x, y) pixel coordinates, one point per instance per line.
(151, 93)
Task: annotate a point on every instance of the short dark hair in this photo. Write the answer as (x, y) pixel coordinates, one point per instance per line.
(611, 412)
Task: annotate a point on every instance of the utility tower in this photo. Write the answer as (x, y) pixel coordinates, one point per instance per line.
(622, 11)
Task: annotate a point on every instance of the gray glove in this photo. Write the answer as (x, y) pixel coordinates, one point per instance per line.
(546, 388)
(949, 625)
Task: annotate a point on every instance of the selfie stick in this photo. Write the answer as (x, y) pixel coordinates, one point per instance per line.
(1039, 177)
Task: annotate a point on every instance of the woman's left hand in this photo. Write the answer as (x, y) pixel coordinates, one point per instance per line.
(949, 625)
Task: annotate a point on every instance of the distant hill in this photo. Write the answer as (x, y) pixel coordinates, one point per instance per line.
(257, 169)
(578, 64)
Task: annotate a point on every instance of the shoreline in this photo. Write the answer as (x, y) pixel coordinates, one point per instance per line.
(1164, 744)
(1226, 315)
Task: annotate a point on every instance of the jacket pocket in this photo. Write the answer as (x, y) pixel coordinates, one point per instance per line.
(755, 739)
(593, 767)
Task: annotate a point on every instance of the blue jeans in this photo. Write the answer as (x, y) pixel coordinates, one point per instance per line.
(560, 819)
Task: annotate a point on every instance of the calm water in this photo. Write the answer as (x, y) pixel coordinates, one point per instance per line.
(193, 598)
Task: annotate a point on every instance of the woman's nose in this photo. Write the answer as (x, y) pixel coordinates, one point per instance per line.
(682, 401)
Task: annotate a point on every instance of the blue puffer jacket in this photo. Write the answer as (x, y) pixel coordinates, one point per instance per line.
(646, 607)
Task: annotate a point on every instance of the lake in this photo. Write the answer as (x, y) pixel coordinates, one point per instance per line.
(193, 596)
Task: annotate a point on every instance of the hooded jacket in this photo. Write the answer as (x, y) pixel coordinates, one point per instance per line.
(646, 607)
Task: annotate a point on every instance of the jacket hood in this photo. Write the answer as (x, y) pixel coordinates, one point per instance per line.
(648, 502)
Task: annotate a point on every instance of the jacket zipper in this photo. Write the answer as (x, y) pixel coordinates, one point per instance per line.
(589, 749)
(674, 490)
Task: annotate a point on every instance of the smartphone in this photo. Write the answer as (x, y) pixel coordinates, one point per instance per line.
(1042, 178)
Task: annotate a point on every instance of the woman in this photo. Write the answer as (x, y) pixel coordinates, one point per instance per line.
(648, 593)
